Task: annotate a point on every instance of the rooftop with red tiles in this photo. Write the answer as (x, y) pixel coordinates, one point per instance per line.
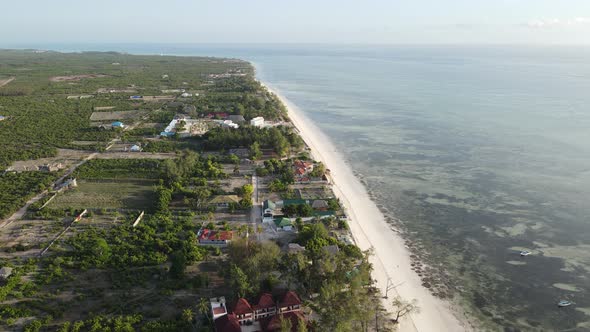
(242, 307)
(266, 301)
(289, 299)
(211, 235)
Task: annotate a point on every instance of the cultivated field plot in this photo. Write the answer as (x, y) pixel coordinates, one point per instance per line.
(74, 77)
(115, 194)
(116, 115)
(29, 235)
(65, 157)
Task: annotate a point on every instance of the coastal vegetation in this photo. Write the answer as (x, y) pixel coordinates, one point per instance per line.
(120, 242)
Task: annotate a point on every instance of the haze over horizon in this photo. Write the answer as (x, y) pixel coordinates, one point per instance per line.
(304, 21)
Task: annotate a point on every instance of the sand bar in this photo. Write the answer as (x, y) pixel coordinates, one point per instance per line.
(370, 230)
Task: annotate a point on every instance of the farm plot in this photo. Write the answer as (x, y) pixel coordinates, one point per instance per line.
(75, 77)
(107, 194)
(116, 115)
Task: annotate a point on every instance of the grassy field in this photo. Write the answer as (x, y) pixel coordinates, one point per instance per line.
(129, 194)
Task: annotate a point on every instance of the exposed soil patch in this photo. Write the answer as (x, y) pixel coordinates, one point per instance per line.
(75, 77)
(6, 81)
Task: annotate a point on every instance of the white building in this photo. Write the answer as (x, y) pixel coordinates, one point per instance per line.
(257, 122)
(218, 307)
(229, 124)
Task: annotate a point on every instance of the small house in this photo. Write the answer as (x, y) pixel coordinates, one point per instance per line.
(284, 224)
(211, 237)
(320, 204)
(268, 208)
(218, 307)
(229, 124)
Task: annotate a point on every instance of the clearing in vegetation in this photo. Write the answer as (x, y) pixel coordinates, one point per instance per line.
(116, 115)
(104, 194)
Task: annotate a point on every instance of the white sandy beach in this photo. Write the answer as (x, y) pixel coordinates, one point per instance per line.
(370, 230)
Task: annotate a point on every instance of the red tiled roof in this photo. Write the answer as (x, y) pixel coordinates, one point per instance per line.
(265, 302)
(274, 324)
(207, 234)
(218, 310)
(227, 323)
(242, 307)
(289, 299)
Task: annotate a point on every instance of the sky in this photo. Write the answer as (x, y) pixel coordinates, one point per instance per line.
(296, 21)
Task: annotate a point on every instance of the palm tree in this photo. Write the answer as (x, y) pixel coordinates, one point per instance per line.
(203, 308)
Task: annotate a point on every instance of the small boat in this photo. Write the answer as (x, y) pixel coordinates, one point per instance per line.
(525, 253)
(564, 303)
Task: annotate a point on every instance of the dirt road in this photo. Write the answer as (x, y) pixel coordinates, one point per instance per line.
(6, 81)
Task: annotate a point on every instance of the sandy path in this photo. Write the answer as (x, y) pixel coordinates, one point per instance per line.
(370, 230)
(6, 81)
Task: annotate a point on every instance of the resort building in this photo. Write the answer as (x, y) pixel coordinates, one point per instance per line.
(257, 122)
(265, 316)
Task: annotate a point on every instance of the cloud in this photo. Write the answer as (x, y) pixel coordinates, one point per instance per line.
(558, 23)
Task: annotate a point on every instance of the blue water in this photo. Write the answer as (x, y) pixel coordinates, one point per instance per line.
(476, 152)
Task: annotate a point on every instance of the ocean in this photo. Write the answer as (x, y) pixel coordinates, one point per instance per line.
(476, 153)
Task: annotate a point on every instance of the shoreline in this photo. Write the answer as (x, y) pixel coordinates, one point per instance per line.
(391, 259)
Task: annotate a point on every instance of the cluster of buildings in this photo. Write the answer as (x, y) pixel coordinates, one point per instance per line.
(272, 211)
(264, 316)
